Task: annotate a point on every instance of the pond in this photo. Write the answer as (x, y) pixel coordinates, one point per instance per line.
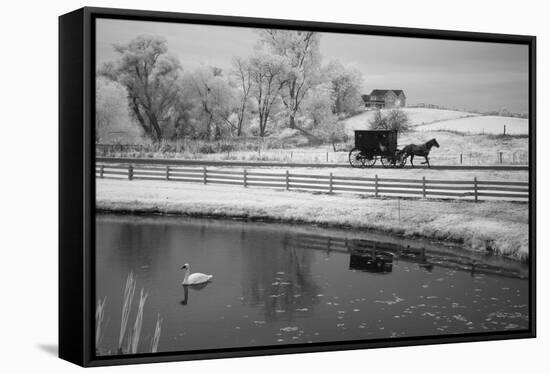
(285, 284)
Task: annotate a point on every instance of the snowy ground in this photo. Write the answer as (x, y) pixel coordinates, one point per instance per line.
(475, 150)
(497, 226)
(481, 125)
(417, 116)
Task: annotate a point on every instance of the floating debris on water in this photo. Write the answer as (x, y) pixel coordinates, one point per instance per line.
(396, 299)
(459, 317)
(289, 329)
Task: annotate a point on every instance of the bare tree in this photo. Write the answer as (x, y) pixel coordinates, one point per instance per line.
(265, 72)
(300, 50)
(395, 119)
(214, 97)
(243, 75)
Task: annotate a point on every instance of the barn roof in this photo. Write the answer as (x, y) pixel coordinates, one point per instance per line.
(380, 92)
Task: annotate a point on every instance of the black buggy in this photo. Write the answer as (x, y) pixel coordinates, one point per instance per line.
(371, 145)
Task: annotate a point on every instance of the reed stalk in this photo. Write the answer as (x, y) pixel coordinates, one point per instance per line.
(99, 315)
(129, 290)
(156, 336)
(136, 332)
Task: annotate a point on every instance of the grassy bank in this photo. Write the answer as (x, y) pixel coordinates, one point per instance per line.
(500, 227)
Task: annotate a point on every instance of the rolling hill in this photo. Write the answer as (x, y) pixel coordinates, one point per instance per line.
(427, 119)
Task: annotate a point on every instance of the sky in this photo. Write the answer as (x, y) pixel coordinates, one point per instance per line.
(454, 74)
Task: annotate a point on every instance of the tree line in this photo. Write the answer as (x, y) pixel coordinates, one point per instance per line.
(282, 87)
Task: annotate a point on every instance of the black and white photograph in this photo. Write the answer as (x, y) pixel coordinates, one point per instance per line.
(279, 187)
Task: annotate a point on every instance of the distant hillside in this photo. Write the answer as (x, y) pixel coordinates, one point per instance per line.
(430, 119)
(417, 116)
(481, 124)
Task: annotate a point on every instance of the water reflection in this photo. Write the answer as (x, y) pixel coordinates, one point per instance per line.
(282, 284)
(371, 261)
(379, 257)
(279, 282)
(186, 288)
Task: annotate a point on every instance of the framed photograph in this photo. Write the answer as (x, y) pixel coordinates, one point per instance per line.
(236, 186)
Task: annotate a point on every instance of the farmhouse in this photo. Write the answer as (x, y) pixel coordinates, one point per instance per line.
(385, 99)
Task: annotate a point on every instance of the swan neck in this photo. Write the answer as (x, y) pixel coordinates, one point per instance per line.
(186, 276)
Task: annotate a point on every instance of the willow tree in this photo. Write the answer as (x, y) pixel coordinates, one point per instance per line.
(300, 51)
(151, 77)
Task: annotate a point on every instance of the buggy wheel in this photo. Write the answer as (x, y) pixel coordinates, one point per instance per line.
(356, 159)
(369, 161)
(387, 161)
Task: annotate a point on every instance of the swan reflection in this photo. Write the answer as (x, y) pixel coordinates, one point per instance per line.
(196, 287)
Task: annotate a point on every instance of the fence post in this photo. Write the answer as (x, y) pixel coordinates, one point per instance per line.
(475, 189)
(327, 157)
(287, 180)
(130, 172)
(376, 185)
(291, 155)
(204, 174)
(424, 187)
(244, 178)
(399, 211)
(504, 129)
(101, 171)
(500, 157)
(461, 159)
(167, 172)
(330, 183)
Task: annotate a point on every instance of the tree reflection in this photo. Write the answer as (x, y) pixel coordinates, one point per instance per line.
(279, 281)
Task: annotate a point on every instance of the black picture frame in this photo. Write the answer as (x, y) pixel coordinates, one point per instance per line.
(77, 190)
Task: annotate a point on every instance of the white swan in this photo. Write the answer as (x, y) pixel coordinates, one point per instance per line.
(195, 278)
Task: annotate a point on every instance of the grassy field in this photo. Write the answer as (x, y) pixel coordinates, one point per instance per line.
(483, 124)
(417, 116)
(454, 130)
(475, 150)
(499, 227)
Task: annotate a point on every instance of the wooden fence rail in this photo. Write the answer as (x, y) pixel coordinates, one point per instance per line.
(423, 188)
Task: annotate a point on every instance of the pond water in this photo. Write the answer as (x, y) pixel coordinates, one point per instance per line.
(283, 284)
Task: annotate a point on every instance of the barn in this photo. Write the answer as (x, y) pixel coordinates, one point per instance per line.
(379, 98)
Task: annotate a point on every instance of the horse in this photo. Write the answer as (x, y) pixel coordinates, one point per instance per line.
(418, 150)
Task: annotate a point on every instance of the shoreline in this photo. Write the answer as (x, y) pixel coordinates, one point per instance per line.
(496, 227)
